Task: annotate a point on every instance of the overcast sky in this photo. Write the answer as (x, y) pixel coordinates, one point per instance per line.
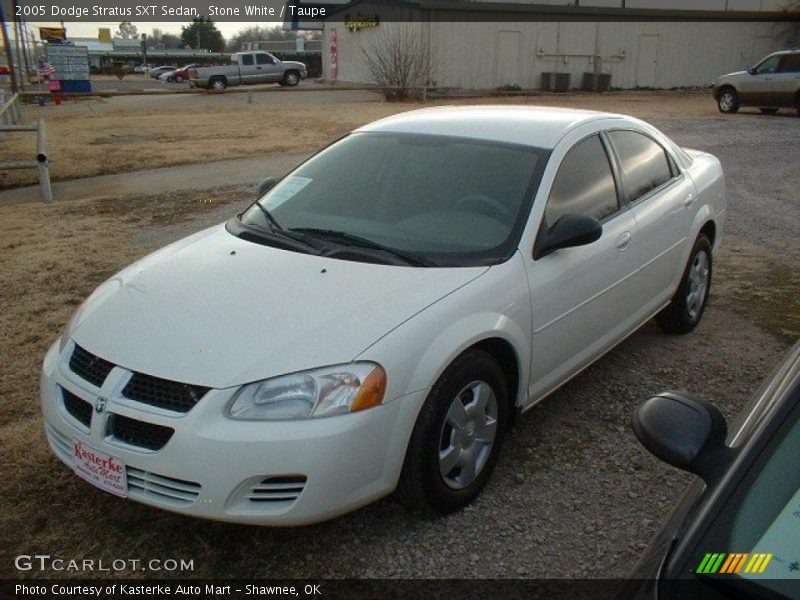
(89, 30)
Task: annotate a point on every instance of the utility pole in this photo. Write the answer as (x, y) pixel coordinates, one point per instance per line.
(9, 54)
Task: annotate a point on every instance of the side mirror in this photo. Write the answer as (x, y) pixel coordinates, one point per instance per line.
(685, 432)
(570, 230)
(266, 185)
(751, 70)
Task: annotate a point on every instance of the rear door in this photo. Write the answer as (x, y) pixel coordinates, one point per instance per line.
(582, 298)
(787, 81)
(247, 69)
(662, 199)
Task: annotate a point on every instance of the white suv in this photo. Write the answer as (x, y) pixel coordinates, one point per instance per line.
(771, 84)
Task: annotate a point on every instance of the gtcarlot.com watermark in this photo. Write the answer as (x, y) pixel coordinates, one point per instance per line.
(48, 563)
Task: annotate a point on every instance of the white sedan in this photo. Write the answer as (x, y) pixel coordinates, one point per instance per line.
(373, 322)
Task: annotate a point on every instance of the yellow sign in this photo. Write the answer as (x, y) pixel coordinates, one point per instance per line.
(104, 34)
(52, 34)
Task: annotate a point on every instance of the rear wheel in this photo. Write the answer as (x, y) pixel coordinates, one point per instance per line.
(291, 78)
(684, 311)
(457, 437)
(728, 100)
(218, 84)
(768, 111)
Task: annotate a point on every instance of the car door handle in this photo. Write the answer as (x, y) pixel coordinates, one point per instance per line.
(688, 200)
(259, 68)
(623, 241)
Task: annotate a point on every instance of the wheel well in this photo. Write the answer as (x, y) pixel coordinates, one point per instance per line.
(710, 231)
(218, 78)
(506, 357)
(722, 88)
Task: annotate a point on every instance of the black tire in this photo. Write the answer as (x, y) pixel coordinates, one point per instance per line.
(218, 84)
(683, 313)
(291, 78)
(728, 100)
(422, 485)
(768, 111)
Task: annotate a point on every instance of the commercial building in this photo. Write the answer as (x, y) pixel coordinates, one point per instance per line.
(638, 43)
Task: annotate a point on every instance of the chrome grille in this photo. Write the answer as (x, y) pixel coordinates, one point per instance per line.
(79, 408)
(139, 433)
(89, 367)
(163, 393)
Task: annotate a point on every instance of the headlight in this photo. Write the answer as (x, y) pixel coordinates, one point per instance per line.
(319, 393)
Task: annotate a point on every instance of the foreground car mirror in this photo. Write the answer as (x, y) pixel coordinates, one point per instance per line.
(266, 185)
(569, 231)
(685, 432)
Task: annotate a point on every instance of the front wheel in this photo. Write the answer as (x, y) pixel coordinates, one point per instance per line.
(728, 101)
(683, 312)
(291, 78)
(457, 437)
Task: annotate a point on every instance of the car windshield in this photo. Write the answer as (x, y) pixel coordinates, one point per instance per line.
(451, 201)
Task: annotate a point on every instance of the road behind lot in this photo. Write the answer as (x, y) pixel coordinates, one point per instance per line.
(573, 496)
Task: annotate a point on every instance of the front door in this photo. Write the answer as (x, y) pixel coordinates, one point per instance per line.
(757, 88)
(582, 298)
(268, 70)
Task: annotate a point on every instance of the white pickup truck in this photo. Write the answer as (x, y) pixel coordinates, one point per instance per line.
(248, 68)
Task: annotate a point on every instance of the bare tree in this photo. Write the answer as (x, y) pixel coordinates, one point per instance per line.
(399, 59)
(127, 31)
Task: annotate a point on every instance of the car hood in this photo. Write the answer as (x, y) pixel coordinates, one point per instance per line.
(734, 75)
(218, 311)
(293, 63)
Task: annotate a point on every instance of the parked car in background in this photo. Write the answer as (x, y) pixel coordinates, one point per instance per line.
(349, 335)
(772, 84)
(735, 532)
(158, 71)
(142, 68)
(248, 68)
(181, 74)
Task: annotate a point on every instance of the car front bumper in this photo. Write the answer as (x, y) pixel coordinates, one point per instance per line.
(214, 467)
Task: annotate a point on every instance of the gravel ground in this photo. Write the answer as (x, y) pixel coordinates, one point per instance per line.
(574, 495)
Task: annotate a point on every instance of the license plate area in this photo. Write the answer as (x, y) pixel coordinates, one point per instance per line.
(100, 469)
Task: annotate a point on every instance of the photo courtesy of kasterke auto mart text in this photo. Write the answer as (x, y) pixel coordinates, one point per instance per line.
(351, 335)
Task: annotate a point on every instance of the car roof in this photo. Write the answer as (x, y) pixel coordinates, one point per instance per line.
(539, 126)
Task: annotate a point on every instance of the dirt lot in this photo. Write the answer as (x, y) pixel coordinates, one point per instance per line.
(113, 135)
(574, 495)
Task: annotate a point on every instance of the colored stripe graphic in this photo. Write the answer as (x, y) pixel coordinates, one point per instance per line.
(732, 563)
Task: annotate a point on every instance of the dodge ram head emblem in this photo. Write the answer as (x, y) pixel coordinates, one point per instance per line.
(100, 405)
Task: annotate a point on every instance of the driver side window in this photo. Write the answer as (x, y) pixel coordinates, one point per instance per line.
(769, 65)
(584, 184)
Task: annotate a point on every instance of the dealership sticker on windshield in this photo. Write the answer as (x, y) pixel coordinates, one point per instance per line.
(100, 469)
(287, 189)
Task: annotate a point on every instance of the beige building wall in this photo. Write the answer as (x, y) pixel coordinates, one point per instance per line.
(486, 55)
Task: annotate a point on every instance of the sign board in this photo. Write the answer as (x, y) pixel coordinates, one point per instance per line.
(70, 62)
(104, 34)
(55, 35)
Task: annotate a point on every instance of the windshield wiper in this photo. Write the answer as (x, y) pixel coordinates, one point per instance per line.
(276, 229)
(350, 239)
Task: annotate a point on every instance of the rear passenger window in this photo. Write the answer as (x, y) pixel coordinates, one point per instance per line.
(584, 183)
(644, 163)
(247, 59)
(790, 63)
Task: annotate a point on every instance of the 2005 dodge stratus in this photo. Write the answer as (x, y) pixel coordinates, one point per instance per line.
(372, 323)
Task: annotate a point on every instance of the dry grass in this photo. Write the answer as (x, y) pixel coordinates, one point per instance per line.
(99, 137)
